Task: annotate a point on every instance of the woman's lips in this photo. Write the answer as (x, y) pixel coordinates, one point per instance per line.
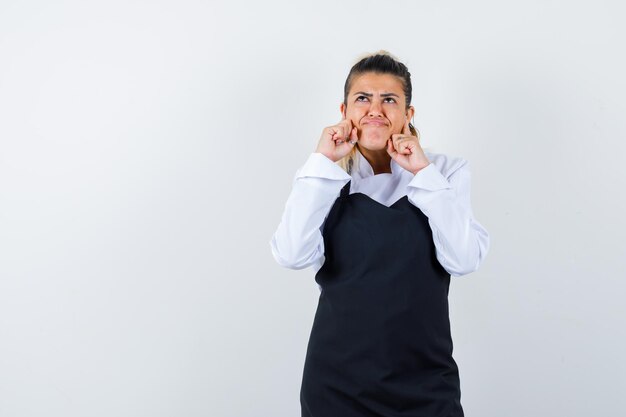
(378, 124)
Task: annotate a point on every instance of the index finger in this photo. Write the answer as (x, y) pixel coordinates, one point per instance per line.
(347, 123)
(406, 130)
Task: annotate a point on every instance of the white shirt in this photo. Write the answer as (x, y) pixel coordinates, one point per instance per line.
(441, 191)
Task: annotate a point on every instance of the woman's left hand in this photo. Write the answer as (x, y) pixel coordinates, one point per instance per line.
(405, 149)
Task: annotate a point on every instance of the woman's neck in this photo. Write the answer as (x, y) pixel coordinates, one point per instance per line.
(380, 161)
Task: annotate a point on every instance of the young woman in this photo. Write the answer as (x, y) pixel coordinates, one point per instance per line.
(385, 224)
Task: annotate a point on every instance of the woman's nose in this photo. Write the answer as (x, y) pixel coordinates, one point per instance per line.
(375, 109)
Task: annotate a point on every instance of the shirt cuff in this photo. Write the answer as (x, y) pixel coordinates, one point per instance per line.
(429, 178)
(320, 166)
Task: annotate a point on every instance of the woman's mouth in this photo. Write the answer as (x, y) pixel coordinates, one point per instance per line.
(375, 124)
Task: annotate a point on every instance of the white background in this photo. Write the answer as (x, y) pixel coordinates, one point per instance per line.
(147, 149)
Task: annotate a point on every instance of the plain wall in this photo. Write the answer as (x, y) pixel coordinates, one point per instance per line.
(147, 149)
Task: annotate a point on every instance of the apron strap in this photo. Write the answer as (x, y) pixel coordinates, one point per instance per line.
(345, 191)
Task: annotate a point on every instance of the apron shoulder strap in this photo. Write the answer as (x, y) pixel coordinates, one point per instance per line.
(345, 191)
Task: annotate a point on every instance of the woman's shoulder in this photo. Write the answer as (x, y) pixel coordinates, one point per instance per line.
(445, 163)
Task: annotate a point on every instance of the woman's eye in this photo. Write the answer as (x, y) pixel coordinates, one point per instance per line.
(393, 100)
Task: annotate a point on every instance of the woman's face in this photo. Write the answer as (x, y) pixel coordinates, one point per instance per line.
(376, 106)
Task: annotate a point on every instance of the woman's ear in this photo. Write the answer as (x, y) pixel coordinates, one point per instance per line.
(410, 112)
(342, 109)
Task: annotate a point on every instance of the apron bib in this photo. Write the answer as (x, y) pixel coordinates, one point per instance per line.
(380, 344)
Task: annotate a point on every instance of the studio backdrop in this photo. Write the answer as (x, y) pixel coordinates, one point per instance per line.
(147, 149)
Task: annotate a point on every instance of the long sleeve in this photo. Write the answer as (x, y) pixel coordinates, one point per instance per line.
(297, 242)
(460, 241)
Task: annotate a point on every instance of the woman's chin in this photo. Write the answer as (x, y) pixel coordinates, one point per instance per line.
(373, 143)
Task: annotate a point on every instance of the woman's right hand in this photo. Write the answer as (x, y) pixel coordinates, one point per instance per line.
(338, 140)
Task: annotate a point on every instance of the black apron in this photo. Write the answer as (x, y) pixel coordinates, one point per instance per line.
(380, 344)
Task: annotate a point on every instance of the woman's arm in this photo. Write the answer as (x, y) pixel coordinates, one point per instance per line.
(297, 242)
(460, 241)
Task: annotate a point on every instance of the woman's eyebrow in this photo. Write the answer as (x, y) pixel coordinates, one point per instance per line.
(370, 94)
